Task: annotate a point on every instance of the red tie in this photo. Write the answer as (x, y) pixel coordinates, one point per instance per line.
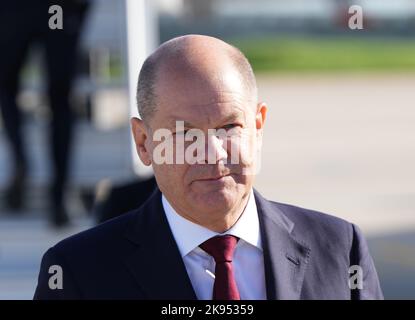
(221, 249)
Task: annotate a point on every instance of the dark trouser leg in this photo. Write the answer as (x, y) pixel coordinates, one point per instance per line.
(12, 120)
(60, 134)
(14, 42)
(61, 53)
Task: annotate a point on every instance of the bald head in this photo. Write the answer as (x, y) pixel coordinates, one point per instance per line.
(191, 58)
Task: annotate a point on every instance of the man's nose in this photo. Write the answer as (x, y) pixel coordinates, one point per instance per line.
(215, 149)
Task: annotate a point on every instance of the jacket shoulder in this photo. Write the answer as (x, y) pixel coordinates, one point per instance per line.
(104, 236)
(315, 226)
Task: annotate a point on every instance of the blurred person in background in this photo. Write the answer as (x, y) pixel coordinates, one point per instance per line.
(22, 24)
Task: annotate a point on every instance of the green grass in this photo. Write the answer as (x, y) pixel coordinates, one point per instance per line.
(302, 55)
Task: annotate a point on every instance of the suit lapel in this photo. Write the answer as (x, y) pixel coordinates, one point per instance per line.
(285, 258)
(156, 263)
(160, 272)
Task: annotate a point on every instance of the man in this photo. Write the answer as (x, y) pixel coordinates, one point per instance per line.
(205, 233)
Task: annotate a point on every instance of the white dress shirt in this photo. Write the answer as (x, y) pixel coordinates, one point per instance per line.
(248, 260)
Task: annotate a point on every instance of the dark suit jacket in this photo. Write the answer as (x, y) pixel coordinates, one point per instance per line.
(307, 255)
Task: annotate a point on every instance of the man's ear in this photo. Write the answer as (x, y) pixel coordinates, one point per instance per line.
(260, 116)
(141, 134)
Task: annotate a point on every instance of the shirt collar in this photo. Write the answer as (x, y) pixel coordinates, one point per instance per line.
(189, 235)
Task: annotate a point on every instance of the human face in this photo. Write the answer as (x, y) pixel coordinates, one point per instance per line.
(208, 193)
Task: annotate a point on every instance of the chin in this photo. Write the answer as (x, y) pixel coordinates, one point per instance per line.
(213, 200)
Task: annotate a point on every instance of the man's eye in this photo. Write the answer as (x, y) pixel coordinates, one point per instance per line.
(230, 126)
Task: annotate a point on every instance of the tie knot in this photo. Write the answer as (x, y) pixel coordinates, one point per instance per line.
(220, 248)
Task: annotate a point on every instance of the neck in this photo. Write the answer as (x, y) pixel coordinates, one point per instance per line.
(224, 221)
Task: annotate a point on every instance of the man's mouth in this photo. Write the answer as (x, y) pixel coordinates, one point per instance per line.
(214, 178)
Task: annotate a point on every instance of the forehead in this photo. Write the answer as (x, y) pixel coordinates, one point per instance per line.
(202, 99)
(206, 115)
(205, 110)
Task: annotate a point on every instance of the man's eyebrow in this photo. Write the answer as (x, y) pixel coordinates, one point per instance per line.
(233, 117)
(187, 124)
(172, 122)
